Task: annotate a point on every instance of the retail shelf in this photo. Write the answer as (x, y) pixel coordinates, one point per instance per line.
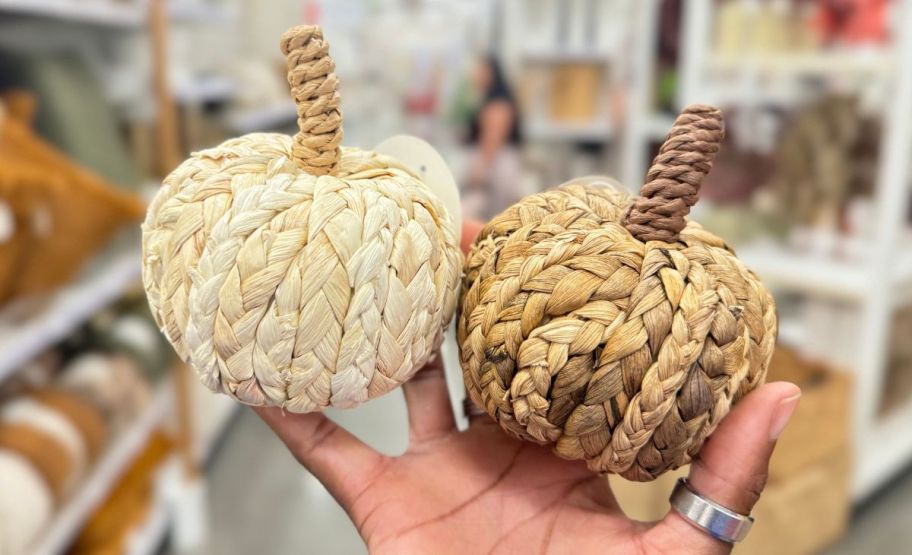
(824, 64)
(96, 12)
(103, 282)
(566, 57)
(207, 89)
(805, 273)
(223, 411)
(824, 276)
(104, 476)
(148, 536)
(263, 119)
(885, 450)
(658, 125)
(201, 11)
(554, 131)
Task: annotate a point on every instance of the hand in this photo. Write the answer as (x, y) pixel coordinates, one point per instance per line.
(480, 491)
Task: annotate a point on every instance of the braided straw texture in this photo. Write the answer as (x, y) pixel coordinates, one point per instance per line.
(285, 289)
(623, 353)
(673, 181)
(313, 87)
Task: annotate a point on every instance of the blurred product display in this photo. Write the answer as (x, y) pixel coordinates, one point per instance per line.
(897, 387)
(824, 158)
(112, 382)
(71, 111)
(109, 528)
(26, 504)
(102, 441)
(76, 214)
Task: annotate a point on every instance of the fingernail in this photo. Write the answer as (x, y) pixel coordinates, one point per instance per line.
(782, 415)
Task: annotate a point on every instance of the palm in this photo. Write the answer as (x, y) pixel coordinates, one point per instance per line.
(480, 491)
(510, 495)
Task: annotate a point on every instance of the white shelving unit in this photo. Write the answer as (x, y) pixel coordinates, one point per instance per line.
(102, 283)
(881, 281)
(267, 117)
(117, 13)
(147, 537)
(96, 12)
(104, 476)
(644, 125)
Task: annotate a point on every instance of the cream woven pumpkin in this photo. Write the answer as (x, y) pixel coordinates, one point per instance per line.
(289, 272)
(611, 327)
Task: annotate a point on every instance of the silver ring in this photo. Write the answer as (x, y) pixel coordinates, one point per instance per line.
(707, 515)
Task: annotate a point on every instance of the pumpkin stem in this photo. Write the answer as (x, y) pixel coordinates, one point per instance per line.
(673, 181)
(311, 75)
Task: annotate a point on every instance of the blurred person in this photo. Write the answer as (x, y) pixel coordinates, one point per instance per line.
(494, 176)
(482, 491)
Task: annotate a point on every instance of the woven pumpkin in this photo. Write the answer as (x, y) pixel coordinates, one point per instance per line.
(611, 327)
(290, 272)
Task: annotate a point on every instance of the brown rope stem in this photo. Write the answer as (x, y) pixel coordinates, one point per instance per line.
(674, 179)
(311, 75)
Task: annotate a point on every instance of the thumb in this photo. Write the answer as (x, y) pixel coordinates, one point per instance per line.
(732, 466)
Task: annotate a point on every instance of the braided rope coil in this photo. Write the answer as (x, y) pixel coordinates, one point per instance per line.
(623, 352)
(281, 288)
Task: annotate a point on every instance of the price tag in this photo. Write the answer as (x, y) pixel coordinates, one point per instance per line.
(426, 162)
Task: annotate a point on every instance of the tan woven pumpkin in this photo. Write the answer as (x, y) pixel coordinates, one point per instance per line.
(611, 327)
(289, 272)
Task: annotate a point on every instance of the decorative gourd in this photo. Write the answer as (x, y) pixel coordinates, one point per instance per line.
(26, 505)
(611, 327)
(42, 450)
(28, 412)
(289, 272)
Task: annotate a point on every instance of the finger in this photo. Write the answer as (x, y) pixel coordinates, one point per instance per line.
(470, 230)
(732, 466)
(342, 462)
(427, 397)
(426, 394)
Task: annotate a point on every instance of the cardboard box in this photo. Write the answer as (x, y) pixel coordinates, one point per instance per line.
(805, 513)
(820, 425)
(800, 515)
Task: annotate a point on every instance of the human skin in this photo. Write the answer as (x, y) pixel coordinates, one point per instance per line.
(481, 491)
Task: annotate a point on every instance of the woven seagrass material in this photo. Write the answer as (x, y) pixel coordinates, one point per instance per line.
(290, 273)
(574, 332)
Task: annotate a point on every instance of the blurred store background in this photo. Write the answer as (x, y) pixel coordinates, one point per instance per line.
(107, 445)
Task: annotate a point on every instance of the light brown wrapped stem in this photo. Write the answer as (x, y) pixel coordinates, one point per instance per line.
(311, 75)
(673, 181)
